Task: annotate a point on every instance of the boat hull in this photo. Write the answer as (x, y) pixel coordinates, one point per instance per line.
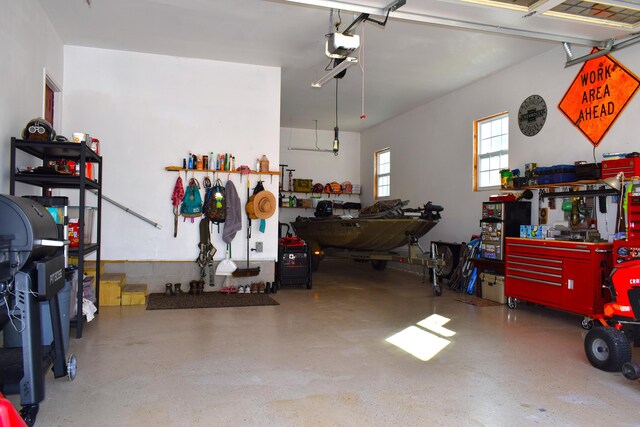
(361, 234)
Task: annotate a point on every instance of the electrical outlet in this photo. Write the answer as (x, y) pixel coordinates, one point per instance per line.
(258, 246)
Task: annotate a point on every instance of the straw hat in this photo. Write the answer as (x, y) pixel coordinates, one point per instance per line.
(261, 205)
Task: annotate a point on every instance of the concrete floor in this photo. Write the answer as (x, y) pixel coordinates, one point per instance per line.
(320, 359)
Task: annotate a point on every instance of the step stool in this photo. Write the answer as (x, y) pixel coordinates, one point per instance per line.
(134, 295)
(111, 285)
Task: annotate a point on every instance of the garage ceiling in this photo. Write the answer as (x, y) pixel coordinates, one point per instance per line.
(427, 49)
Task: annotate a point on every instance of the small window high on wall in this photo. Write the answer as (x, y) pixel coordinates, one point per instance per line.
(383, 173)
(491, 150)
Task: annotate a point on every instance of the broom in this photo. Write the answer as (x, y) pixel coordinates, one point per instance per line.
(247, 272)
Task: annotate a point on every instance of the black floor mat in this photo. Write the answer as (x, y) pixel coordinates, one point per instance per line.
(207, 300)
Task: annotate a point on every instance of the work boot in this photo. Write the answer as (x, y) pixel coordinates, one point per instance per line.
(176, 289)
(167, 291)
(200, 287)
(193, 287)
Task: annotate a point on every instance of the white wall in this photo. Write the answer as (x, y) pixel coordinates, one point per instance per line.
(432, 146)
(28, 45)
(149, 111)
(319, 166)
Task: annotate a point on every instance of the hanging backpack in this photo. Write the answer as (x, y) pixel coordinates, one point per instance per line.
(192, 202)
(215, 206)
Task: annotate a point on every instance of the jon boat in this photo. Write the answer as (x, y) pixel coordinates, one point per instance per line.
(360, 234)
(372, 238)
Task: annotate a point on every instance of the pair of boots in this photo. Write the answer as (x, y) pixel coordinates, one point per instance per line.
(173, 289)
(196, 287)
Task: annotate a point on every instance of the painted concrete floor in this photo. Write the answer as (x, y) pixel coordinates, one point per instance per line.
(320, 359)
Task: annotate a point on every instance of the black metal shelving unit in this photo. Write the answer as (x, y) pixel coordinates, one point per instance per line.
(82, 154)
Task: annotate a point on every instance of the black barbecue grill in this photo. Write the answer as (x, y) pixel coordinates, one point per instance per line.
(31, 273)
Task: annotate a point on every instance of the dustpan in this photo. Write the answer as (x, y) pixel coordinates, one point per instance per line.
(226, 267)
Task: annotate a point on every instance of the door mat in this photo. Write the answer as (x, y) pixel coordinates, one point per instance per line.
(207, 300)
(478, 302)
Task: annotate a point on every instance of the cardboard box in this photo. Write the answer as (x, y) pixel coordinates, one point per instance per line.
(306, 203)
(493, 287)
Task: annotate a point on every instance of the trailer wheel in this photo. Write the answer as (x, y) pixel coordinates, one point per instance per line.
(379, 264)
(607, 349)
(631, 371)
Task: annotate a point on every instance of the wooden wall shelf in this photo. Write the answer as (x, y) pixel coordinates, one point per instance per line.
(180, 169)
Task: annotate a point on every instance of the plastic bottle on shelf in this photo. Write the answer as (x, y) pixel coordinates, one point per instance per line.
(264, 164)
(190, 162)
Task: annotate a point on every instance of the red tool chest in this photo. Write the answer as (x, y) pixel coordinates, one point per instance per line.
(629, 166)
(633, 219)
(559, 274)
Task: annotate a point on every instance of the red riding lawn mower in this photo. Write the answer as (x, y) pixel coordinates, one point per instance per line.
(609, 347)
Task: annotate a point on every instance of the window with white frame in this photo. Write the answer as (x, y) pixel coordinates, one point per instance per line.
(383, 173)
(491, 149)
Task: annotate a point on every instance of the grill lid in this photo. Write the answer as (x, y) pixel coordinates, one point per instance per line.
(35, 235)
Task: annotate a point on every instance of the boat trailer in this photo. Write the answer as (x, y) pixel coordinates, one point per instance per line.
(416, 256)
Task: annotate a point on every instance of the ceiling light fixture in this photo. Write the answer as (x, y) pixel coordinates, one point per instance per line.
(348, 61)
(567, 49)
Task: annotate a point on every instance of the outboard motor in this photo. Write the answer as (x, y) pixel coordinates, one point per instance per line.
(324, 209)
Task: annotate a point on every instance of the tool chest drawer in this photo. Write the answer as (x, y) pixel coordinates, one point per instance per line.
(558, 274)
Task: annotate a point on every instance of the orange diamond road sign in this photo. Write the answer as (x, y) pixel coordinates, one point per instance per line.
(599, 93)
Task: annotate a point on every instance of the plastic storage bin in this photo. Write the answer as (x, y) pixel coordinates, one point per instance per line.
(74, 230)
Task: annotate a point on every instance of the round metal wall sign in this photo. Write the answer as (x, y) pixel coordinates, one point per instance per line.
(532, 115)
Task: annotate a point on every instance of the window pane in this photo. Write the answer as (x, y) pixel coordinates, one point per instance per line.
(496, 142)
(505, 142)
(496, 127)
(383, 170)
(504, 161)
(385, 157)
(494, 162)
(493, 146)
(485, 129)
(484, 179)
(485, 146)
(495, 178)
